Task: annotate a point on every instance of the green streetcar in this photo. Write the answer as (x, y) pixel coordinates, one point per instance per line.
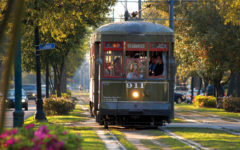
(132, 74)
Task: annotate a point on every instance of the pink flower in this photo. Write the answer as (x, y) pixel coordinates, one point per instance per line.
(39, 135)
(65, 132)
(5, 134)
(14, 131)
(11, 141)
(44, 129)
(29, 126)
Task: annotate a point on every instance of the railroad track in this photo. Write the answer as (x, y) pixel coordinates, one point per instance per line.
(210, 125)
(190, 143)
(110, 140)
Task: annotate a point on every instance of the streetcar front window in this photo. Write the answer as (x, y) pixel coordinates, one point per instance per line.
(136, 64)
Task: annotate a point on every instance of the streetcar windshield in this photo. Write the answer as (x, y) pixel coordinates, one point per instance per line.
(136, 64)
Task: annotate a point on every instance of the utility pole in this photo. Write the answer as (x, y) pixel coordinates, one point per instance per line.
(139, 9)
(171, 15)
(113, 15)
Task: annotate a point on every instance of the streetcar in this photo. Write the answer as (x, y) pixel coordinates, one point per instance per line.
(132, 74)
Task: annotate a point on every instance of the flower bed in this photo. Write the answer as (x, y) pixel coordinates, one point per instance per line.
(45, 137)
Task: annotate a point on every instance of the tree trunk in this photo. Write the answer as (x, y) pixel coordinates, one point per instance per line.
(199, 85)
(231, 85)
(64, 80)
(234, 85)
(238, 85)
(55, 81)
(192, 88)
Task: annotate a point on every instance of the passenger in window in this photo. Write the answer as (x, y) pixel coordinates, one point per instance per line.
(152, 66)
(108, 69)
(117, 67)
(132, 72)
(159, 66)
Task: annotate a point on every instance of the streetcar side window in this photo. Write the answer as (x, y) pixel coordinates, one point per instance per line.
(112, 67)
(158, 60)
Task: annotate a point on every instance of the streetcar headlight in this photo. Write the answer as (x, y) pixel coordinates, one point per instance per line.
(23, 100)
(135, 94)
(33, 94)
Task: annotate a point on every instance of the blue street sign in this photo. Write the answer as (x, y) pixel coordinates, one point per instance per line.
(47, 46)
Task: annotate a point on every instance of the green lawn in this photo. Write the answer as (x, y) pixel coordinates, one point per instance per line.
(91, 141)
(163, 138)
(186, 108)
(211, 138)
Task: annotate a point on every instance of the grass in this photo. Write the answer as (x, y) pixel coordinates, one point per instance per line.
(90, 140)
(163, 138)
(179, 120)
(186, 108)
(211, 138)
(122, 139)
(150, 145)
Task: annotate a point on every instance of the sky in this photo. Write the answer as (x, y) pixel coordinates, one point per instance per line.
(119, 8)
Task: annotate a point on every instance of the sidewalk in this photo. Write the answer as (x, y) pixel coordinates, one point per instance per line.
(9, 114)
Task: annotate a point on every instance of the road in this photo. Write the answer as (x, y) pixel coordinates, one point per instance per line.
(9, 113)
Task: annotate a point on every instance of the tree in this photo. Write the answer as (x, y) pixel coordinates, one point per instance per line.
(205, 45)
(231, 11)
(209, 44)
(63, 23)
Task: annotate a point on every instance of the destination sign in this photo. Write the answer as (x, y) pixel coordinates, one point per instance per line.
(159, 46)
(131, 46)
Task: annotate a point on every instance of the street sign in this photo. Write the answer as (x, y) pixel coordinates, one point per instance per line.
(47, 46)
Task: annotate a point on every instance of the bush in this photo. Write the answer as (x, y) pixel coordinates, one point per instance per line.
(44, 137)
(58, 105)
(231, 104)
(204, 101)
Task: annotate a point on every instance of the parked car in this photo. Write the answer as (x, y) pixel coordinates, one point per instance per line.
(179, 97)
(11, 99)
(181, 88)
(31, 91)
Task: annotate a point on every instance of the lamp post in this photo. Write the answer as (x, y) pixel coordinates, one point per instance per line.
(18, 114)
(39, 115)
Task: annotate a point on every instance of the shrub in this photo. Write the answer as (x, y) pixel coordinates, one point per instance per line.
(58, 105)
(44, 137)
(204, 101)
(231, 104)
